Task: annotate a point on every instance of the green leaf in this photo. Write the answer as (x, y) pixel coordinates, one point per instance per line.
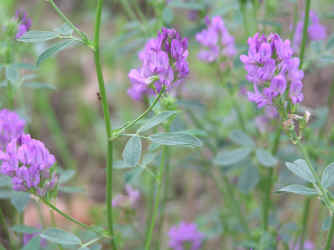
(176, 139)
(56, 48)
(301, 169)
(60, 237)
(12, 74)
(226, 158)
(64, 30)
(326, 224)
(33, 244)
(36, 36)
(71, 190)
(20, 200)
(249, 179)
(132, 151)
(39, 85)
(66, 175)
(298, 189)
(266, 158)
(4, 181)
(156, 120)
(121, 165)
(327, 178)
(330, 43)
(240, 138)
(5, 194)
(167, 15)
(25, 229)
(148, 158)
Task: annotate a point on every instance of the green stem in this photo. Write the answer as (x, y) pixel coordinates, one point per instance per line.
(165, 193)
(306, 21)
(107, 120)
(269, 183)
(68, 217)
(149, 109)
(330, 235)
(157, 200)
(68, 21)
(295, 19)
(306, 213)
(4, 227)
(244, 16)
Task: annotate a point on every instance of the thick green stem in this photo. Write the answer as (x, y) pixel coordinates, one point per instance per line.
(306, 213)
(157, 200)
(107, 120)
(330, 235)
(306, 21)
(269, 183)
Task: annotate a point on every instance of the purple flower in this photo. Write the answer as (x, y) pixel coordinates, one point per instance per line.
(129, 200)
(164, 64)
(11, 126)
(24, 23)
(316, 31)
(29, 163)
(185, 234)
(308, 245)
(216, 39)
(273, 70)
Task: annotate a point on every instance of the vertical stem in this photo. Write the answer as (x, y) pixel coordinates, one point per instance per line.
(330, 235)
(165, 193)
(306, 213)
(107, 121)
(269, 184)
(306, 21)
(243, 5)
(4, 228)
(157, 200)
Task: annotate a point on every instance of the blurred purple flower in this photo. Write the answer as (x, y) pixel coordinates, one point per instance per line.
(24, 23)
(183, 234)
(308, 245)
(316, 31)
(11, 127)
(27, 238)
(273, 71)
(129, 200)
(216, 39)
(29, 164)
(164, 63)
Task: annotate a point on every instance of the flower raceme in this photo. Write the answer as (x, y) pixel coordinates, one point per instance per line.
(24, 23)
(30, 165)
(274, 72)
(164, 64)
(185, 234)
(11, 126)
(216, 39)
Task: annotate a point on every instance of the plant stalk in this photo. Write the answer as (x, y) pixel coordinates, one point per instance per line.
(306, 213)
(306, 21)
(107, 120)
(330, 235)
(157, 200)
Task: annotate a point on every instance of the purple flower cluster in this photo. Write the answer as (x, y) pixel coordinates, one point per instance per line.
(316, 31)
(274, 72)
(24, 23)
(164, 64)
(28, 162)
(216, 39)
(11, 126)
(185, 234)
(128, 200)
